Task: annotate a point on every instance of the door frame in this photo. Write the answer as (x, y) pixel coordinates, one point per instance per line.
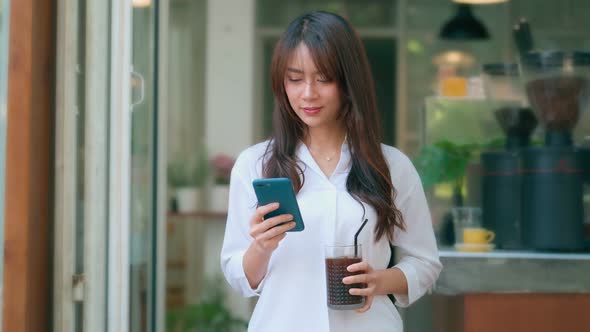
(103, 285)
(119, 168)
(161, 93)
(65, 160)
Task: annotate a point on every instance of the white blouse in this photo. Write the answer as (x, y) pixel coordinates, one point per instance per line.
(293, 291)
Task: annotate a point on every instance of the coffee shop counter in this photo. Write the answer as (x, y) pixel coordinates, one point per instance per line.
(505, 271)
(505, 290)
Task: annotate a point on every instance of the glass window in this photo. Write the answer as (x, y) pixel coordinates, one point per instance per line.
(369, 13)
(142, 254)
(79, 156)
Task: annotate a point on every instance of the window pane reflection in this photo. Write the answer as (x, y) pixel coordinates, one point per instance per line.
(142, 205)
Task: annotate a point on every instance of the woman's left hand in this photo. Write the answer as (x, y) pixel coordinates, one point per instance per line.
(368, 278)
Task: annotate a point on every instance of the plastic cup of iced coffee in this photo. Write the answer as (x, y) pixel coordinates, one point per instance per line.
(338, 258)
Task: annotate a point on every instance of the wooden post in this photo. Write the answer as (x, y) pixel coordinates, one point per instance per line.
(28, 193)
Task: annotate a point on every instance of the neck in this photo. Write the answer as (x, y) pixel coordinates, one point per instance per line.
(324, 139)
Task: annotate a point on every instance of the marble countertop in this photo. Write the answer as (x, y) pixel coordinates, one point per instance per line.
(505, 271)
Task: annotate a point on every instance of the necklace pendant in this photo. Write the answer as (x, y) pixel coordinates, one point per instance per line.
(328, 158)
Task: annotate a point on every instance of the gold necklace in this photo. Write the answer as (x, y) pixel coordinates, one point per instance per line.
(328, 158)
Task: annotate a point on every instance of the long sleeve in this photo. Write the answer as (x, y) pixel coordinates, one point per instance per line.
(241, 207)
(416, 245)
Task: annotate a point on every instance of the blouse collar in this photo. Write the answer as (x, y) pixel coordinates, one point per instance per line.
(344, 164)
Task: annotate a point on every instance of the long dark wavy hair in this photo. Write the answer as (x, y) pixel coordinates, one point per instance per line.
(339, 55)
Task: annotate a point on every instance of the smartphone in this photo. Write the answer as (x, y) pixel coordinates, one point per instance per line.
(279, 190)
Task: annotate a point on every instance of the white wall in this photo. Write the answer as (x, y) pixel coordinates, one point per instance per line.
(229, 89)
(186, 69)
(229, 101)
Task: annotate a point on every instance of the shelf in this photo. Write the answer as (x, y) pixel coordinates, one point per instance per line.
(198, 215)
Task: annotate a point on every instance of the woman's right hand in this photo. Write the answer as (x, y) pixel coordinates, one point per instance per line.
(266, 236)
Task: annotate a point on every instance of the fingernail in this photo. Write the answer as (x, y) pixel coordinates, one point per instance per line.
(275, 204)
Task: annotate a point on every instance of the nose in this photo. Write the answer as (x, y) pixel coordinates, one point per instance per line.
(309, 91)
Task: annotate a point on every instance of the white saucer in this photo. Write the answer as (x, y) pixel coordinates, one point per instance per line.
(475, 247)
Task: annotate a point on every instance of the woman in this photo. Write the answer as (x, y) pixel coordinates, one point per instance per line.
(327, 140)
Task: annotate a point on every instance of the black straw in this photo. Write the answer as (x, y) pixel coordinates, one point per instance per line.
(360, 228)
(357, 235)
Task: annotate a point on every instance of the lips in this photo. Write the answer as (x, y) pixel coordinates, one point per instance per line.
(311, 110)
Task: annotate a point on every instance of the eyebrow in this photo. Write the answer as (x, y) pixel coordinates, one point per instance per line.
(298, 71)
(293, 70)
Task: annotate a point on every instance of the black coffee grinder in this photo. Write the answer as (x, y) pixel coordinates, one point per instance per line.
(500, 169)
(557, 85)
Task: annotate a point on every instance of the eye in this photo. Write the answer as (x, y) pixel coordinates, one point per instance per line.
(294, 80)
(323, 79)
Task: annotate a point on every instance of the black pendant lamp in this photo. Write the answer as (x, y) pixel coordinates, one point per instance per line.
(464, 26)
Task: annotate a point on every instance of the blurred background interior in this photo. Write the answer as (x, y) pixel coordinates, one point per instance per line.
(451, 80)
(216, 49)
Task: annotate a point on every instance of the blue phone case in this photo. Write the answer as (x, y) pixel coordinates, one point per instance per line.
(279, 190)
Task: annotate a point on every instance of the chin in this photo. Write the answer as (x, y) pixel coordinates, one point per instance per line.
(312, 123)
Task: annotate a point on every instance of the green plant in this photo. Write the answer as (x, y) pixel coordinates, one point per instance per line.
(446, 162)
(190, 172)
(209, 315)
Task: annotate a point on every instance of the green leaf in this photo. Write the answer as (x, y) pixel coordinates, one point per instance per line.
(190, 171)
(446, 162)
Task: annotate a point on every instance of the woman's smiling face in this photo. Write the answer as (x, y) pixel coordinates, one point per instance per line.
(316, 99)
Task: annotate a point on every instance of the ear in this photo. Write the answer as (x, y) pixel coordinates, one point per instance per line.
(346, 109)
(346, 100)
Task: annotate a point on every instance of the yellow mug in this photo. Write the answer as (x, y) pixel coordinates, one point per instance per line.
(477, 236)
